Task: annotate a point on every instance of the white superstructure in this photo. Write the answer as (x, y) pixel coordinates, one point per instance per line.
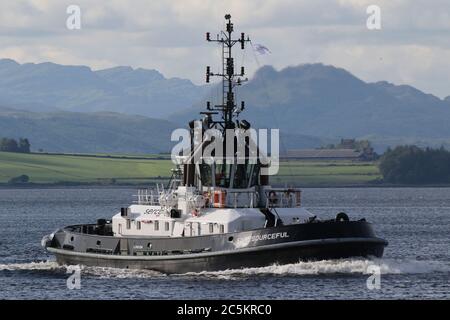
(186, 211)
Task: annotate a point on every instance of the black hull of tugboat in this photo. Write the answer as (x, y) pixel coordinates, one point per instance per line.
(257, 248)
(256, 257)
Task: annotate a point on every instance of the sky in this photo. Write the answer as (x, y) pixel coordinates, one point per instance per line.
(412, 47)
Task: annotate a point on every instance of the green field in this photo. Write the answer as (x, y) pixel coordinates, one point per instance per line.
(50, 169)
(124, 169)
(333, 173)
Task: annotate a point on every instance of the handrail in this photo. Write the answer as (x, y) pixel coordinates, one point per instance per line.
(252, 198)
(147, 197)
(232, 199)
(274, 197)
(283, 198)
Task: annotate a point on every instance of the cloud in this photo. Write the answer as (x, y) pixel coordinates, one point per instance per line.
(413, 46)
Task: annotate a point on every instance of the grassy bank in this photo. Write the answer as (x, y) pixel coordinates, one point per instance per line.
(329, 173)
(119, 169)
(71, 169)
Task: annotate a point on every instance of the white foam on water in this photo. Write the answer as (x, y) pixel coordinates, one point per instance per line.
(411, 266)
(330, 267)
(31, 266)
(104, 272)
(325, 267)
(94, 271)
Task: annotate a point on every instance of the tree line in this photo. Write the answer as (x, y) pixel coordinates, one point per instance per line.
(414, 165)
(11, 145)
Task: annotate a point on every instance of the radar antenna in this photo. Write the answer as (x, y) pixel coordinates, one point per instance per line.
(230, 79)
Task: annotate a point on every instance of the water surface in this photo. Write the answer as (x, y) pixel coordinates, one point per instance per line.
(415, 221)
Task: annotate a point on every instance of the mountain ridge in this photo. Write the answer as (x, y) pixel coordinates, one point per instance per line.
(311, 103)
(81, 89)
(329, 102)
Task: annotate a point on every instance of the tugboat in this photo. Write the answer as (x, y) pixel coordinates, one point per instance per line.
(217, 213)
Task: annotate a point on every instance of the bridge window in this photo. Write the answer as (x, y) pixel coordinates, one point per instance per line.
(222, 175)
(156, 225)
(128, 224)
(222, 228)
(255, 175)
(211, 228)
(206, 174)
(246, 175)
(138, 225)
(240, 176)
(167, 226)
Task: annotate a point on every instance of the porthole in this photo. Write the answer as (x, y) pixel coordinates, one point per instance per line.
(230, 239)
(71, 239)
(99, 242)
(149, 245)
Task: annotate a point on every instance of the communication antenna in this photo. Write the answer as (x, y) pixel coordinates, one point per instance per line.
(230, 79)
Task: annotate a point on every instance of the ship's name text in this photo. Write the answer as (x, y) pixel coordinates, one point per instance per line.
(262, 237)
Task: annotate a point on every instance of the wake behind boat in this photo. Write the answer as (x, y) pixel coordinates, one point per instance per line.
(218, 212)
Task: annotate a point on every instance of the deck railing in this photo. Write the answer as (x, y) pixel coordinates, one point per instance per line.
(283, 198)
(147, 197)
(273, 197)
(242, 199)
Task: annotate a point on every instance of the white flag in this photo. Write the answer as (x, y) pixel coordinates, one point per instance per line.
(259, 48)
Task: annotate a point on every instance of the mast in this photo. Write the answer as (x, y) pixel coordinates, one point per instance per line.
(229, 173)
(228, 109)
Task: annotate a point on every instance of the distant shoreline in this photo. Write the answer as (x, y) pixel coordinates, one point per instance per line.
(47, 171)
(143, 186)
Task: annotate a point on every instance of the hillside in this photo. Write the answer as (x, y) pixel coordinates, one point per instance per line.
(87, 132)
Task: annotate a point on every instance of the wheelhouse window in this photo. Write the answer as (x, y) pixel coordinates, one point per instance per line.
(222, 175)
(246, 175)
(138, 225)
(255, 175)
(240, 176)
(156, 224)
(211, 228)
(167, 226)
(128, 224)
(222, 228)
(206, 174)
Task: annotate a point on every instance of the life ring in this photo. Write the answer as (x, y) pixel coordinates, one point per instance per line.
(342, 216)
